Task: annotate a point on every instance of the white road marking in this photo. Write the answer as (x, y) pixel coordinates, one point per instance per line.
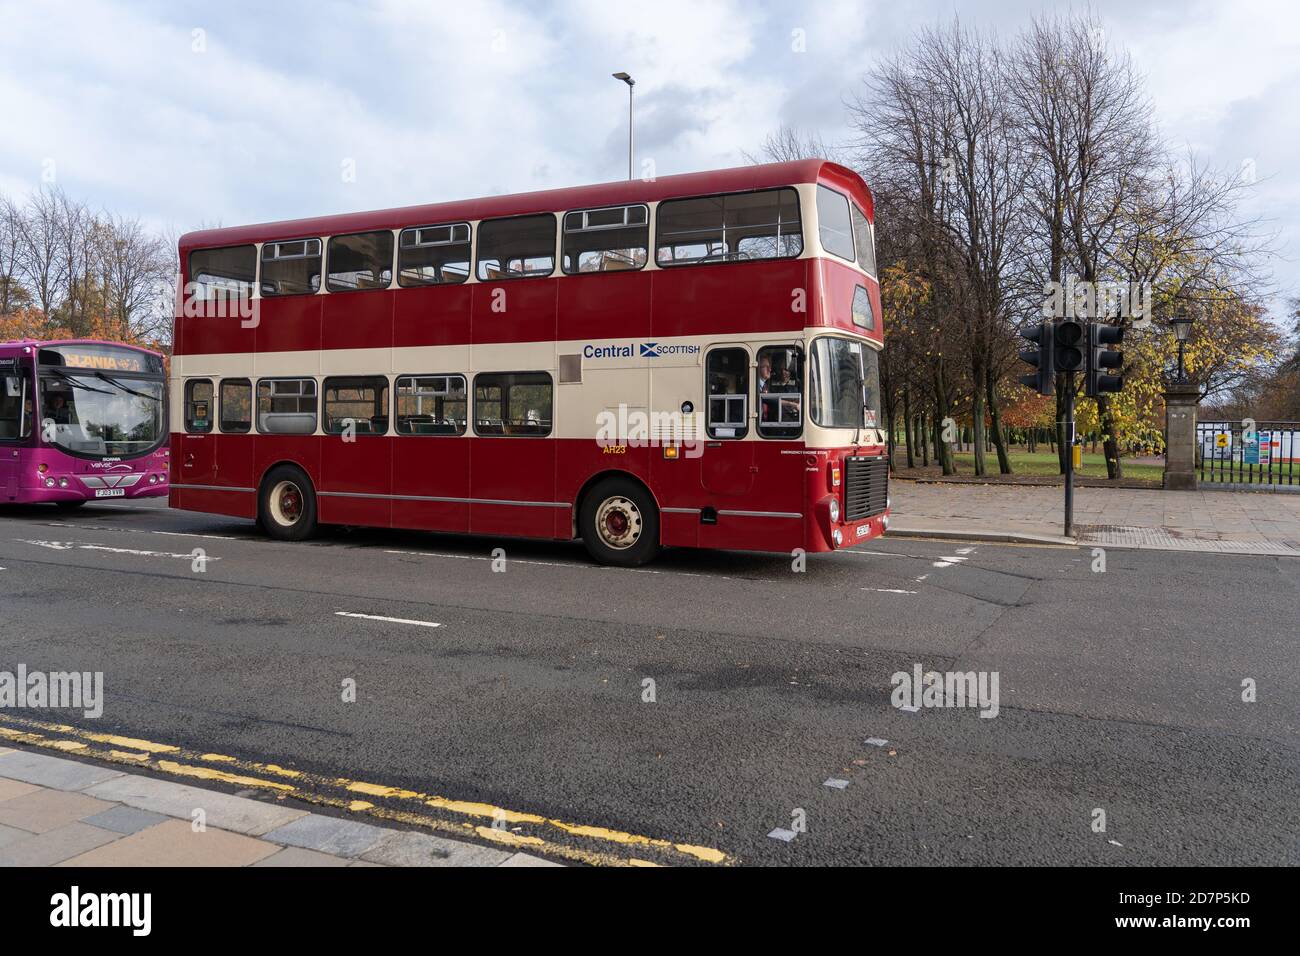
(782, 834)
(186, 534)
(889, 590)
(875, 741)
(176, 534)
(957, 557)
(835, 783)
(572, 565)
(390, 620)
(89, 546)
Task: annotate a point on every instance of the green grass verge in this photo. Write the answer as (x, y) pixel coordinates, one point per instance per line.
(1045, 463)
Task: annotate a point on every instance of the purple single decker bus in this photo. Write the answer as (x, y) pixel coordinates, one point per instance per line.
(81, 420)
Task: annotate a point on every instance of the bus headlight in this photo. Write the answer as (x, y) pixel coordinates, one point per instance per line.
(49, 482)
(153, 479)
(835, 509)
(63, 482)
(839, 538)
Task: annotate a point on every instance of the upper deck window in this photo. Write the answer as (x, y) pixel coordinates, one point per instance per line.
(755, 225)
(612, 239)
(360, 262)
(230, 272)
(521, 247)
(291, 268)
(432, 255)
(866, 245)
(834, 226)
(862, 314)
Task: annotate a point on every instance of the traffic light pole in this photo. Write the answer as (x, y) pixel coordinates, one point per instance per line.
(1068, 439)
(1068, 347)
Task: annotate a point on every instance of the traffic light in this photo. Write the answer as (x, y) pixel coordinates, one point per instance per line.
(1071, 337)
(1096, 381)
(1043, 378)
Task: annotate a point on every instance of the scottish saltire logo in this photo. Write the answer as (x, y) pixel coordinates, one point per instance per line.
(638, 349)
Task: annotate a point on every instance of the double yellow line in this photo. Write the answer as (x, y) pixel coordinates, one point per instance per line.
(595, 845)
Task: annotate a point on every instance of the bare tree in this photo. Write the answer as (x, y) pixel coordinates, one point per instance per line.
(39, 263)
(12, 294)
(135, 265)
(789, 143)
(1084, 112)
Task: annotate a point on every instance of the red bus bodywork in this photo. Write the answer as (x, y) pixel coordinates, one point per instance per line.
(751, 494)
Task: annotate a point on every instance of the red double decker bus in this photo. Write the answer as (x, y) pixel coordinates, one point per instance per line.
(686, 362)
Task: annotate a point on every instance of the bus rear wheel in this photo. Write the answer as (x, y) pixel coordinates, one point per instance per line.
(619, 523)
(287, 504)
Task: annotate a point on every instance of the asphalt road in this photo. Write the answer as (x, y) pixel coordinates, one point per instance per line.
(1119, 691)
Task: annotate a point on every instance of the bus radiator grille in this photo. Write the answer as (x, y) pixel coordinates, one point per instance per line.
(866, 487)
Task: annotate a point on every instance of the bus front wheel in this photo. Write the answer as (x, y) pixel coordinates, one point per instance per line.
(619, 523)
(287, 504)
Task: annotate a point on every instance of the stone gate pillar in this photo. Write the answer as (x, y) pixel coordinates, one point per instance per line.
(1181, 400)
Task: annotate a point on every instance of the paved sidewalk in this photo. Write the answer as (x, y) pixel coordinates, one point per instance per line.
(1218, 521)
(55, 811)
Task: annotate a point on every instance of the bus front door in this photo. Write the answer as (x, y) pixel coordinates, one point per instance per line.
(8, 470)
(15, 425)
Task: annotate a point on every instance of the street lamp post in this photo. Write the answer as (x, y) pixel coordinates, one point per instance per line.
(1181, 401)
(631, 120)
(1182, 331)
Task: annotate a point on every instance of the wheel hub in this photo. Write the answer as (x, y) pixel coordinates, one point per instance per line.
(618, 521)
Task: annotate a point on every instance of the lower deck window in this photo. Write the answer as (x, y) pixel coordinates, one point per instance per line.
(727, 371)
(431, 405)
(286, 406)
(356, 405)
(198, 405)
(780, 391)
(512, 403)
(236, 405)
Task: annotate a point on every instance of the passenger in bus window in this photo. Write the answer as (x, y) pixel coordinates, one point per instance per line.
(764, 372)
(58, 411)
(779, 378)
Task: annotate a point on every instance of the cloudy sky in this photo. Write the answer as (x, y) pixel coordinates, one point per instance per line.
(190, 114)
